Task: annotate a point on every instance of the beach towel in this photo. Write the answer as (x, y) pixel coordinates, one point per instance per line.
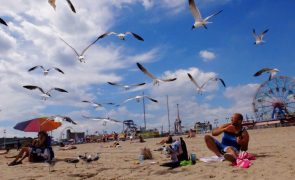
(243, 160)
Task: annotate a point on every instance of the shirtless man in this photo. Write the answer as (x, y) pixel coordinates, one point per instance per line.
(235, 138)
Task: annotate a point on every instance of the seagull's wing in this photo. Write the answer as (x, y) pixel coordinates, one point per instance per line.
(135, 35)
(169, 80)
(209, 17)
(52, 3)
(58, 89)
(90, 45)
(154, 100)
(68, 119)
(106, 34)
(70, 46)
(30, 87)
(222, 81)
(33, 68)
(57, 69)
(129, 99)
(71, 6)
(115, 84)
(139, 84)
(87, 101)
(145, 71)
(263, 70)
(195, 10)
(254, 33)
(193, 80)
(113, 120)
(263, 33)
(3, 22)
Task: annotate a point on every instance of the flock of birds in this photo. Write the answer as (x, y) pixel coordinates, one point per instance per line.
(199, 22)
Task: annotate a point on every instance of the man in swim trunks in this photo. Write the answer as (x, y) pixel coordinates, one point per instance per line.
(235, 138)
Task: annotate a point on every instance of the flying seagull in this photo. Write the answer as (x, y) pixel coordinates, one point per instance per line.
(101, 119)
(138, 98)
(200, 88)
(46, 94)
(121, 35)
(3, 22)
(156, 80)
(126, 87)
(81, 56)
(98, 105)
(46, 71)
(58, 118)
(259, 38)
(272, 72)
(52, 3)
(199, 21)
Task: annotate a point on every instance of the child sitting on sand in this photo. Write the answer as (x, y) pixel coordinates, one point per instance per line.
(39, 151)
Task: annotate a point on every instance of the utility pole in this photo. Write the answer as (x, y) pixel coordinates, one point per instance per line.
(143, 103)
(168, 114)
(4, 138)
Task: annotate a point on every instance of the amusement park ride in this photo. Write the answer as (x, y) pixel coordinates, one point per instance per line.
(275, 101)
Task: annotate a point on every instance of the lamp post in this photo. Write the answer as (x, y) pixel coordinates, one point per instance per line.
(143, 103)
(168, 114)
(216, 122)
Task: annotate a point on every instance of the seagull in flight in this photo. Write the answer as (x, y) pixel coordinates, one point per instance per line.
(98, 105)
(81, 56)
(156, 81)
(45, 94)
(3, 22)
(199, 21)
(52, 3)
(121, 36)
(200, 88)
(45, 71)
(259, 38)
(58, 118)
(272, 72)
(126, 87)
(102, 119)
(138, 98)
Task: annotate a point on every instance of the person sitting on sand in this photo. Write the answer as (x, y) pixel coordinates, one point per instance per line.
(235, 138)
(191, 133)
(141, 140)
(168, 140)
(39, 151)
(178, 150)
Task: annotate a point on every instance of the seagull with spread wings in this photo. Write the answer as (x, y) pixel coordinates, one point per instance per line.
(46, 71)
(126, 87)
(61, 119)
(121, 36)
(81, 57)
(3, 22)
(45, 94)
(102, 119)
(138, 98)
(199, 21)
(272, 72)
(52, 3)
(259, 38)
(156, 81)
(98, 105)
(200, 88)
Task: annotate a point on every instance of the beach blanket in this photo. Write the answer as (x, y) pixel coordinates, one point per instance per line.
(243, 160)
(211, 159)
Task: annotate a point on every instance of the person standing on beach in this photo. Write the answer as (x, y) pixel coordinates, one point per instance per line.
(235, 138)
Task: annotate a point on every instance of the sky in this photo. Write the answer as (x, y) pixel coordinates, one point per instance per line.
(170, 49)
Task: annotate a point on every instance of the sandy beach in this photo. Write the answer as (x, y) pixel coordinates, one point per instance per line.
(273, 148)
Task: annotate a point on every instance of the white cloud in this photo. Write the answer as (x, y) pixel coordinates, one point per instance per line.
(207, 55)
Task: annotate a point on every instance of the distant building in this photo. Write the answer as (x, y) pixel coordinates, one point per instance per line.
(13, 142)
(75, 135)
(203, 127)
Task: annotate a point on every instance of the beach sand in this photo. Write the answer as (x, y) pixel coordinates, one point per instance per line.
(274, 148)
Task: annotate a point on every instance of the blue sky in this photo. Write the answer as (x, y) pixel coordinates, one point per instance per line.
(170, 49)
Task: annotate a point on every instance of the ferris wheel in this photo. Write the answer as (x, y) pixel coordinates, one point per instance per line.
(275, 99)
